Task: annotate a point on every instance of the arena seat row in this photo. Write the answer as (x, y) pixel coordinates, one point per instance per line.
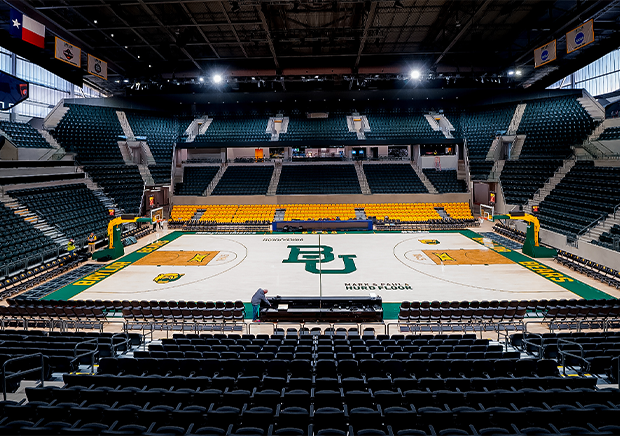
(161, 132)
(73, 208)
(462, 315)
(479, 128)
(161, 173)
(19, 239)
(592, 269)
(244, 180)
(92, 132)
(530, 305)
(123, 183)
(23, 135)
(522, 178)
(583, 197)
(34, 275)
(397, 126)
(610, 133)
(294, 412)
(334, 128)
(393, 179)
(235, 129)
(318, 179)
(552, 126)
(404, 212)
(445, 180)
(196, 179)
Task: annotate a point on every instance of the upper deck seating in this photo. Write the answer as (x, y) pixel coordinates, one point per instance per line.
(333, 128)
(121, 182)
(522, 178)
(92, 132)
(236, 129)
(24, 135)
(196, 180)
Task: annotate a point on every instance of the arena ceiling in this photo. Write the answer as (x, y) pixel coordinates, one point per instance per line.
(351, 44)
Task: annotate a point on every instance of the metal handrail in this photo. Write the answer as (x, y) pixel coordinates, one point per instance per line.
(126, 342)
(90, 353)
(566, 353)
(526, 342)
(22, 372)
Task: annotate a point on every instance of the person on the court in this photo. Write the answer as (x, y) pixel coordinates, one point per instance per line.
(256, 299)
(92, 239)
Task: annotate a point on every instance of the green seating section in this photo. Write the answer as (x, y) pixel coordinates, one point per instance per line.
(161, 173)
(123, 183)
(196, 180)
(244, 180)
(396, 125)
(393, 179)
(480, 169)
(24, 135)
(231, 129)
(160, 131)
(479, 128)
(610, 239)
(325, 129)
(610, 133)
(318, 179)
(522, 178)
(92, 132)
(445, 180)
(19, 239)
(74, 209)
(585, 195)
(552, 126)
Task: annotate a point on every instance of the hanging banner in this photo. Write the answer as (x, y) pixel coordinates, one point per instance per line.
(545, 54)
(580, 37)
(68, 52)
(97, 67)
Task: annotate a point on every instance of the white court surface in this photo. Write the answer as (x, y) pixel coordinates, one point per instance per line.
(396, 266)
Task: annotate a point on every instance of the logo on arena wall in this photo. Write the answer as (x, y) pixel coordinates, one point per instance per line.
(313, 255)
(162, 279)
(429, 241)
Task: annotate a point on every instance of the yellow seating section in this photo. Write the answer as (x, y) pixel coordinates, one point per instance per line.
(458, 210)
(255, 212)
(319, 211)
(416, 212)
(412, 212)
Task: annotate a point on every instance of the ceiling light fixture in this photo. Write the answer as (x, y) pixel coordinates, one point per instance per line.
(511, 73)
(415, 74)
(217, 78)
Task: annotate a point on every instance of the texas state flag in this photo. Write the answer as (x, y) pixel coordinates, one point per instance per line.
(27, 29)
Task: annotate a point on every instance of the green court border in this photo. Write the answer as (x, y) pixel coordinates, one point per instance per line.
(390, 310)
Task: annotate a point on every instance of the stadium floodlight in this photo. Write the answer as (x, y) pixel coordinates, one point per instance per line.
(518, 72)
(126, 81)
(202, 79)
(511, 73)
(217, 78)
(415, 74)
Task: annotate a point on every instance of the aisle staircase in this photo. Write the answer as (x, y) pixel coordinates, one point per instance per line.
(122, 119)
(37, 221)
(275, 179)
(146, 175)
(516, 120)
(429, 186)
(216, 179)
(603, 226)
(517, 146)
(361, 178)
(553, 181)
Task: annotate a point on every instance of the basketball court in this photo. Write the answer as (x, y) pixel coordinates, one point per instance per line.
(416, 266)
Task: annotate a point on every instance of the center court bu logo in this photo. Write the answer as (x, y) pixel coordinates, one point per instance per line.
(315, 256)
(162, 279)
